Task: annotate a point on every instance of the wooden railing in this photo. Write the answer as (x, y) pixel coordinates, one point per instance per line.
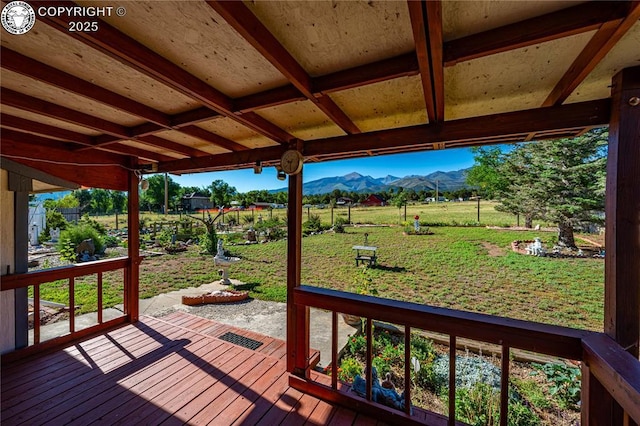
(70, 273)
(616, 376)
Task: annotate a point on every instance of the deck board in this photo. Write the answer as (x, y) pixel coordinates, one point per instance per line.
(161, 371)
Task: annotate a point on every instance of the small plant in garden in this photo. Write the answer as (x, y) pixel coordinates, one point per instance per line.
(363, 282)
(339, 223)
(565, 383)
(349, 368)
(313, 224)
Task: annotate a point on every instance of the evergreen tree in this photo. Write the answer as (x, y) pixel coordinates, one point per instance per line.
(560, 181)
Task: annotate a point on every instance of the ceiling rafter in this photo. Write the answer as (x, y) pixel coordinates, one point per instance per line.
(118, 133)
(596, 49)
(28, 126)
(129, 51)
(20, 136)
(563, 23)
(426, 23)
(29, 103)
(253, 30)
(476, 130)
(103, 169)
(24, 65)
(200, 133)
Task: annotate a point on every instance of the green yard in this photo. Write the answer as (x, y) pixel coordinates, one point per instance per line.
(467, 268)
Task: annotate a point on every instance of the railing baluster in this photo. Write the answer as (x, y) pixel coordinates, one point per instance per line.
(72, 305)
(334, 350)
(407, 369)
(125, 296)
(452, 380)
(99, 297)
(36, 314)
(504, 386)
(369, 357)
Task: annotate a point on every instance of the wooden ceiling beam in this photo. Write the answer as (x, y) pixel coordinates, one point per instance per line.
(426, 23)
(551, 26)
(95, 169)
(28, 126)
(38, 146)
(45, 130)
(400, 66)
(240, 17)
(114, 43)
(596, 49)
(38, 106)
(212, 138)
(31, 68)
(469, 131)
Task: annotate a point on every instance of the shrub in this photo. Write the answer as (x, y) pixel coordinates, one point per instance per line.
(86, 220)
(339, 223)
(313, 224)
(209, 241)
(74, 235)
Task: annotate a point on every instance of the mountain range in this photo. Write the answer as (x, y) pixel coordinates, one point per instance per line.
(355, 182)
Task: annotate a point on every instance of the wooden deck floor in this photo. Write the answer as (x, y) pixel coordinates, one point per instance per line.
(173, 370)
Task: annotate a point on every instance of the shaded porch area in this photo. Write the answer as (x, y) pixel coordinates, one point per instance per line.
(172, 370)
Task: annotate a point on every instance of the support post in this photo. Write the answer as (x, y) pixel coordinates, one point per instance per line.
(133, 236)
(622, 240)
(297, 317)
(21, 233)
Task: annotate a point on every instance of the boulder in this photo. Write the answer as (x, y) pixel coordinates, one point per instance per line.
(86, 246)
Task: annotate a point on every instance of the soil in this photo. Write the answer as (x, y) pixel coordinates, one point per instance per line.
(492, 249)
(49, 315)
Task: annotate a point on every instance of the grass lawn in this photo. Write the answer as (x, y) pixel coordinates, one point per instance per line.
(467, 268)
(471, 269)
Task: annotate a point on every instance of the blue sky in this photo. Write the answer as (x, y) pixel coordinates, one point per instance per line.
(400, 165)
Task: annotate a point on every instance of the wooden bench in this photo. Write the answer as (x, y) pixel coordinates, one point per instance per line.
(369, 255)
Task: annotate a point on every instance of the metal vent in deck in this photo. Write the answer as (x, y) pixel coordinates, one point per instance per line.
(239, 340)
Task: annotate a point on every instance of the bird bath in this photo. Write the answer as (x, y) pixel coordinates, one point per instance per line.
(223, 262)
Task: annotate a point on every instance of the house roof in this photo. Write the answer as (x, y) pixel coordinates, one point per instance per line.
(175, 86)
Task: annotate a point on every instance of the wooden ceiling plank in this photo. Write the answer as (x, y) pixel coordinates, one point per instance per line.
(418, 26)
(240, 17)
(29, 103)
(24, 65)
(114, 43)
(33, 127)
(596, 49)
(551, 26)
(205, 135)
(253, 31)
(171, 146)
(473, 131)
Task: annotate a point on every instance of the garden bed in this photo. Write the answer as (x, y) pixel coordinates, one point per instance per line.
(540, 394)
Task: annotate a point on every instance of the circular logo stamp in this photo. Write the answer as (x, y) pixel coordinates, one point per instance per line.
(18, 17)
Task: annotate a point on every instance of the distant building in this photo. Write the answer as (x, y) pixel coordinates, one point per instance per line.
(196, 201)
(343, 201)
(373, 200)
